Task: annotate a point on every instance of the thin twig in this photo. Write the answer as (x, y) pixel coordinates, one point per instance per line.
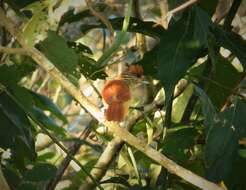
(102, 18)
(94, 88)
(181, 8)
(46, 79)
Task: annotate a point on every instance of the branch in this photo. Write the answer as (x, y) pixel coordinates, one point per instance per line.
(103, 163)
(164, 11)
(96, 113)
(180, 8)
(102, 18)
(155, 155)
(114, 147)
(8, 50)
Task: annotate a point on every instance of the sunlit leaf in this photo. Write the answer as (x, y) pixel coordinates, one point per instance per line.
(36, 27)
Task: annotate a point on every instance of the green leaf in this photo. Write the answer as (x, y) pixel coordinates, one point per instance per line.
(57, 51)
(209, 6)
(27, 186)
(46, 156)
(90, 69)
(208, 108)
(21, 96)
(46, 104)
(11, 175)
(10, 75)
(236, 179)
(231, 41)
(47, 122)
(20, 3)
(148, 28)
(150, 63)
(242, 153)
(36, 26)
(16, 131)
(177, 144)
(41, 172)
(79, 47)
(139, 127)
(179, 49)
(224, 78)
(222, 141)
(180, 103)
(201, 25)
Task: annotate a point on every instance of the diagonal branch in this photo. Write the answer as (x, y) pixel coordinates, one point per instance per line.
(96, 113)
(114, 147)
(116, 144)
